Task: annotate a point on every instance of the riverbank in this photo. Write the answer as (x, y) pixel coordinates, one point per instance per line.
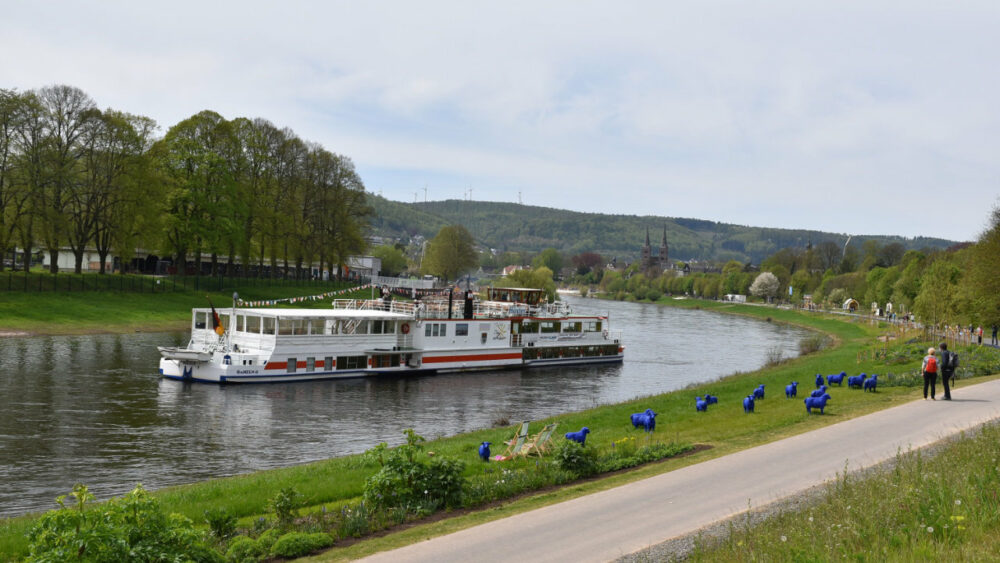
(107, 311)
(339, 482)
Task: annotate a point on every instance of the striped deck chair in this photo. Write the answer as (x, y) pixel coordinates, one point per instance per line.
(541, 442)
(515, 444)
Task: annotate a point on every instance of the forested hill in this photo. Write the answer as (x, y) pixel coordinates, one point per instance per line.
(515, 227)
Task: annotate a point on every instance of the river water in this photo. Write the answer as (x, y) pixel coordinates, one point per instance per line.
(93, 409)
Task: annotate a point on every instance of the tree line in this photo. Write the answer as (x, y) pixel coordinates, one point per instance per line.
(243, 192)
(958, 285)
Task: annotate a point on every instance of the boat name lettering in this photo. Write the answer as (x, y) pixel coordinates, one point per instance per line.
(246, 372)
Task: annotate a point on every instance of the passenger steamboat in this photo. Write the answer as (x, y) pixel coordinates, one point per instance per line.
(510, 328)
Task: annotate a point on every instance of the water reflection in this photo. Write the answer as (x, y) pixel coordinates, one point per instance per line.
(93, 409)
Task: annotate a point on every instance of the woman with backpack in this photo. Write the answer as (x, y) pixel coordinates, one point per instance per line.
(930, 369)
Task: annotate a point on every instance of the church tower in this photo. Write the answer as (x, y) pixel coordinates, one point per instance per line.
(647, 252)
(664, 259)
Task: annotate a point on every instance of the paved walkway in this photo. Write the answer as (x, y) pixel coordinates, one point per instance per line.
(606, 525)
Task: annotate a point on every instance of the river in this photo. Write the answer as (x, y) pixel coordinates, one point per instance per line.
(92, 409)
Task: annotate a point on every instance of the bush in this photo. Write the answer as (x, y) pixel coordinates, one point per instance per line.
(297, 544)
(286, 505)
(267, 539)
(574, 457)
(812, 344)
(221, 523)
(405, 481)
(116, 531)
(244, 549)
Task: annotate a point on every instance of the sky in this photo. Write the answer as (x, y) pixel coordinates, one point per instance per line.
(850, 117)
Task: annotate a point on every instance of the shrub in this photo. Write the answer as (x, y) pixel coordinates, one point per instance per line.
(575, 458)
(812, 344)
(244, 549)
(116, 531)
(297, 544)
(286, 505)
(221, 523)
(267, 539)
(405, 481)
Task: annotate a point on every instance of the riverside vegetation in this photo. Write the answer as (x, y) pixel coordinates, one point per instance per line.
(297, 510)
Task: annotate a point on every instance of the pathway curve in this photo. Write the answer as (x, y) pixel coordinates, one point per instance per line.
(609, 524)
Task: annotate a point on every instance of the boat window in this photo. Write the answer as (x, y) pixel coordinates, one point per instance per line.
(200, 319)
(462, 329)
(593, 326)
(292, 364)
(436, 329)
(328, 363)
(253, 325)
(385, 360)
(550, 326)
(427, 329)
(268, 326)
(572, 327)
(241, 321)
(352, 362)
(284, 326)
(444, 329)
(316, 326)
(529, 327)
(379, 327)
(224, 321)
(310, 364)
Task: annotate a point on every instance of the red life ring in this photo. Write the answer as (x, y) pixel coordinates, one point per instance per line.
(406, 329)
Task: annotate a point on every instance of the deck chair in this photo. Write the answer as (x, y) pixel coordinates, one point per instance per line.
(515, 444)
(539, 443)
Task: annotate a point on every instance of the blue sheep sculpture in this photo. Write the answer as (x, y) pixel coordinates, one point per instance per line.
(700, 405)
(580, 436)
(817, 403)
(818, 392)
(819, 380)
(792, 389)
(856, 381)
(645, 419)
(711, 399)
(838, 379)
(748, 404)
(758, 393)
(484, 451)
(871, 383)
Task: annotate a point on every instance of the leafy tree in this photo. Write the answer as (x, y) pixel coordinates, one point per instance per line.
(587, 261)
(765, 285)
(539, 278)
(937, 298)
(393, 259)
(549, 258)
(982, 282)
(450, 253)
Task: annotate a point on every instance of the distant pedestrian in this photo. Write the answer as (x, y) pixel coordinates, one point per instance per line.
(979, 335)
(994, 342)
(947, 369)
(930, 369)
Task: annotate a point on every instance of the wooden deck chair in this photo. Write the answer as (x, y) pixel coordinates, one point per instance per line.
(539, 443)
(515, 444)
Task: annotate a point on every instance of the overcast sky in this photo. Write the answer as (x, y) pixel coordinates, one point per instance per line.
(853, 117)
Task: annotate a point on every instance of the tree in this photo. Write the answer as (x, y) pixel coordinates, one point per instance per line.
(549, 258)
(983, 279)
(766, 285)
(393, 259)
(587, 261)
(540, 278)
(828, 255)
(450, 253)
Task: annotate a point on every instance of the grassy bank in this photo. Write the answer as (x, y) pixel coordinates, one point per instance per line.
(104, 309)
(330, 485)
(943, 507)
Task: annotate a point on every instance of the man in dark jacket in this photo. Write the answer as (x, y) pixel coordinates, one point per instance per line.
(947, 369)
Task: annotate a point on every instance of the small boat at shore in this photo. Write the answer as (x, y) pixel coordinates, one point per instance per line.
(511, 328)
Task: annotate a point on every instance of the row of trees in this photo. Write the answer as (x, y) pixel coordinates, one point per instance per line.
(957, 285)
(72, 175)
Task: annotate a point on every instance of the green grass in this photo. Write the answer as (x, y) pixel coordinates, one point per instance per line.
(940, 508)
(337, 482)
(103, 310)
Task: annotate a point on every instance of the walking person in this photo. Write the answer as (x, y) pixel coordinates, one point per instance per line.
(930, 369)
(947, 369)
(994, 334)
(979, 334)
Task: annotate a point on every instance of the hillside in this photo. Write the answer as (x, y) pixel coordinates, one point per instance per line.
(515, 227)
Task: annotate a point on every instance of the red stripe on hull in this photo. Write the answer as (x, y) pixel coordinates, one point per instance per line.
(471, 358)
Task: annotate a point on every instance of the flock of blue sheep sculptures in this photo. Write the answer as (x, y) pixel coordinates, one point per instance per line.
(817, 399)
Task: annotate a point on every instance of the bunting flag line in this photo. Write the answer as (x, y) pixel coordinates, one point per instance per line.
(272, 302)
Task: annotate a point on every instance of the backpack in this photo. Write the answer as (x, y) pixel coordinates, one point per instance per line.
(931, 365)
(954, 360)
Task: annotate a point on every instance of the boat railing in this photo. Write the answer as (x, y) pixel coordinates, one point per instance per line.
(402, 307)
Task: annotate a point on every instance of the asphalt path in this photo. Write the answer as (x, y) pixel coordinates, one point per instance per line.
(609, 524)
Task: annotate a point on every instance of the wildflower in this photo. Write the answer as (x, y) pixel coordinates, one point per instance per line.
(930, 529)
(783, 538)
(958, 502)
(425, 491)
(961, 527)
(958, 518)
(810, 518)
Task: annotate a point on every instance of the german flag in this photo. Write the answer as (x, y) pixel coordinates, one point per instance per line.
(216, 321)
